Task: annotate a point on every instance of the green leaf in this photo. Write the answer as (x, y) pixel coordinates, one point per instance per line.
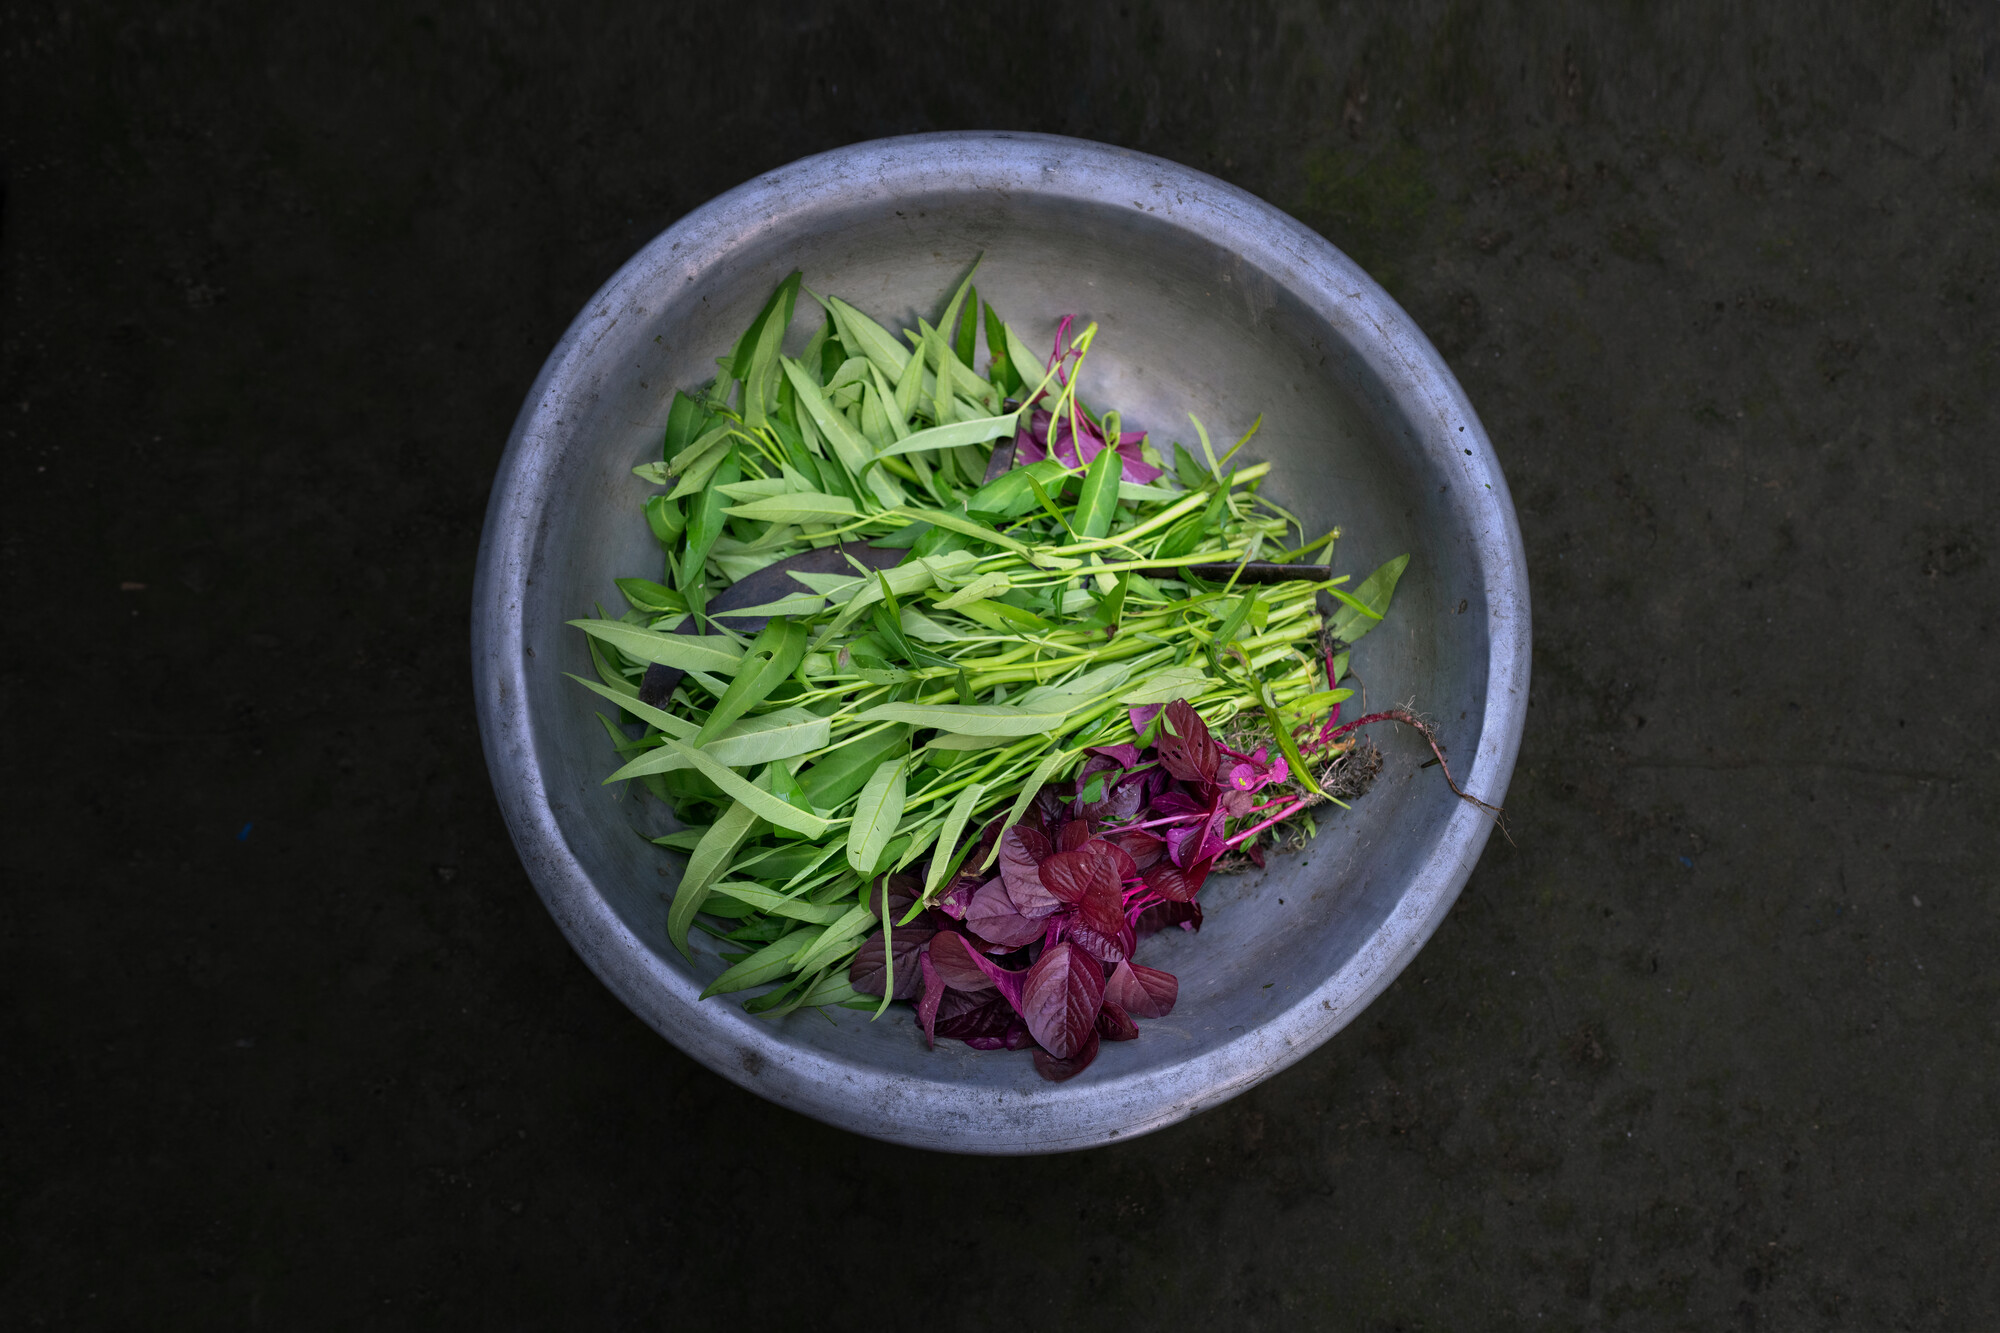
(769, 963)
(795, 604)
(852, 926)
(646, 595)
(835, 988)
(699, 447)
(686, 420)
(950, 318)
(1043, 771)
(1110, 608)
(970, 719)
(1287, 745)
(877, 813)
(785, 734)
(968, 329)
(1010, 495)
(1364, 609)
(976, 431)
(1026, 365)
(837, 776)
(870, 339)
(705, 523)
(1167, 685)
(665, 721)
(686, 652)
(664, 517)
(763, 804)
(760, 377)
(655, 473)
(1097, 505)
(1001, 617)
(711, 856)
(986, 585)
(848, 446)
(777, 904)
(797, 507)
(948, 836)
(971, 527)
(1000, 367)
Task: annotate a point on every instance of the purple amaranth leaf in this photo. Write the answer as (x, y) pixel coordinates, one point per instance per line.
(956, 897)
(1059, 999)
(1114, 1024)
(1069, 875)
(1105, 946)
(1124, 870)
(1017, 1035)
(1143, 992)
(1187, 750)
(986, 1043)
(1122, 804)
(1022, 851)
(994, 917)
(1056, 1069)
(1008, 982)
(1142, 717)
(865, 973)
(1175, 884)
(1237, 804)
(1123, 755)
(902, 890)
(1177, 803)
(1072, 835)
(927, 1006)
(1050, 810)
(1144, 849)
(953, 961)
(968, 1018)
(1160, 915)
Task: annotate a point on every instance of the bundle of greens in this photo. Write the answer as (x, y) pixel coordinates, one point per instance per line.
(976, 690)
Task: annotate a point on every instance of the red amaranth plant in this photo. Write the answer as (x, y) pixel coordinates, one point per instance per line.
(1041, 953)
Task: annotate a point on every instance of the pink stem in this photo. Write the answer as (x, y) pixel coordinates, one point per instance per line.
(1278, 818)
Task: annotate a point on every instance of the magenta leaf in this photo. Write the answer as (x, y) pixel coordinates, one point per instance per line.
(1144, 849)
(1017, 1035)
(955, 962)
(967, 1017)
(1124, 870)
(992, 916)
(927, 1007)
(1174, 884)
(1102, 908)
(1144, 992)
(1022, 850)
(1072, 835)
(1106, 947)
(1114, 1024)
(1055, 1068)
(1068, 875)
(865, 973)
(1142, 717)
(1186, 748)
(1060, 997)
(1161, 915)
(1124, 755)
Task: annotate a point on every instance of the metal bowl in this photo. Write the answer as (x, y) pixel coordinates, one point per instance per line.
(1209, 301)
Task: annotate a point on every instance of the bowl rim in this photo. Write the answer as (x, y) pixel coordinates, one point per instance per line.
(848, 1094)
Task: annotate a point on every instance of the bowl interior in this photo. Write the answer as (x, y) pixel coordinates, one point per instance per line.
(1190, 322)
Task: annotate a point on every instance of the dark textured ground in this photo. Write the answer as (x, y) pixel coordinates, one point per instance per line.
(290, 1043)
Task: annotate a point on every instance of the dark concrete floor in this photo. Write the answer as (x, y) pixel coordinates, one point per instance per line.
(288, 1040)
